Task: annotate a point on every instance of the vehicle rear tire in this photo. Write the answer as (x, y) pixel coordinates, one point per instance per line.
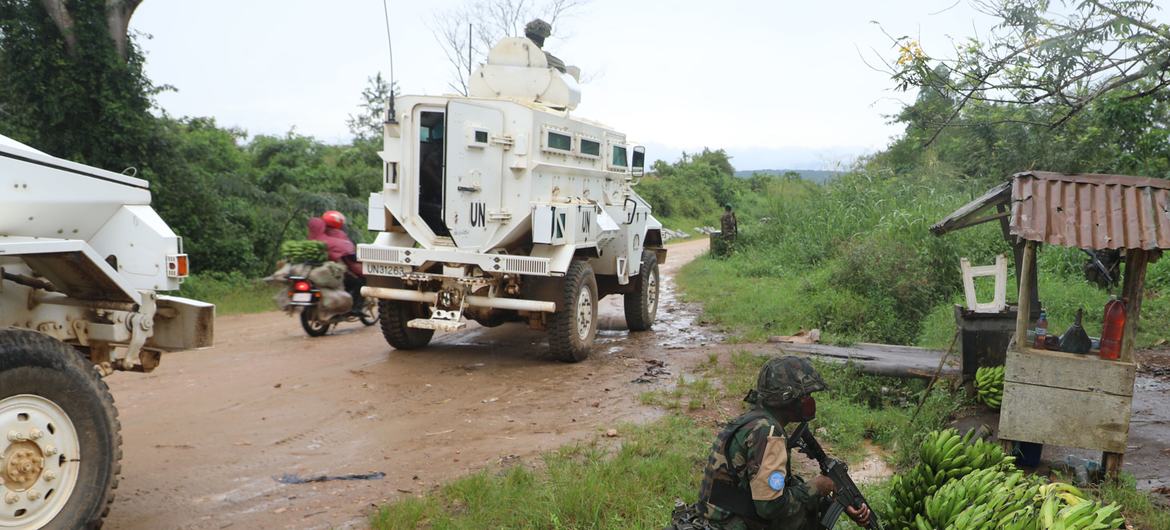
(369, 315)
(312, 326)
(46, 386)
(642, 305)
(573, 327)
(395, 315)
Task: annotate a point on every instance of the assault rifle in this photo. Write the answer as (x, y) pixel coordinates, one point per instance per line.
(847, 493)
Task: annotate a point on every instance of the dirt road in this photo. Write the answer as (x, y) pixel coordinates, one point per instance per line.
(208, 433)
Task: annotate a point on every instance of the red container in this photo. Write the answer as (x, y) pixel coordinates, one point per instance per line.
(1111, 332)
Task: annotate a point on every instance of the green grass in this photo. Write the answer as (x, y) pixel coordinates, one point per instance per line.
(585, 485)
(1139, 507)
(231, 293)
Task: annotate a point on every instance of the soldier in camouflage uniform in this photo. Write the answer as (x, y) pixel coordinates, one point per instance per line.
(729, 225)
(748, 483)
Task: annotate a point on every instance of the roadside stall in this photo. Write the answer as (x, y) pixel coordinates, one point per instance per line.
(1081, 399)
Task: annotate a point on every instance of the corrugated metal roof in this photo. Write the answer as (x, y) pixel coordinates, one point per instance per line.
(1091, 211)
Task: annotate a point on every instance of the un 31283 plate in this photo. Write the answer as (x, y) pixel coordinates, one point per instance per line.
(381, 269)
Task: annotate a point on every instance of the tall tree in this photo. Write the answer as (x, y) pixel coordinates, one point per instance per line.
(71, 80)
(468, 32)
(1058, 56)
(367, 124)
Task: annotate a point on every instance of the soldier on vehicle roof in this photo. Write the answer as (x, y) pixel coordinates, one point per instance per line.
(748, 482)
(537, 31)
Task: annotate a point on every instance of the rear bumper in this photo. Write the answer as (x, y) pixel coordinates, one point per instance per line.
(399, 261)
(431, 297)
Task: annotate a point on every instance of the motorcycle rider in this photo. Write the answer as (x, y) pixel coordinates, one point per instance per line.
(330, 229)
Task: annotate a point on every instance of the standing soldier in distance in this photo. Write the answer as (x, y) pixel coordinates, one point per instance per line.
(729, 229)
(748, 483)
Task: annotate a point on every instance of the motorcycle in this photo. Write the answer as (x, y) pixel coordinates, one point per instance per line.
(303, 294)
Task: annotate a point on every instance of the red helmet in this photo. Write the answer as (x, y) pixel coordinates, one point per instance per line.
(333, 219)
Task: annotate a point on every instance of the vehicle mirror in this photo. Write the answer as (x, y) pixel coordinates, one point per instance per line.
(638, 162)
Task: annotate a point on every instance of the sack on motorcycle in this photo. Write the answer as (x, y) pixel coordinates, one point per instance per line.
(334, 301)
(285, 269)
(330, 275)
(282, 300)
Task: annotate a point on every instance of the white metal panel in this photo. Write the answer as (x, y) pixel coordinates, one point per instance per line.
(474, 170)
(47, 201)
(141, 242)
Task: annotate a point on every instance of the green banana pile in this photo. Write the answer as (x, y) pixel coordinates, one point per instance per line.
(304, 251)
(989, 385)
(965, 484)
(943, 456)
(1011, 500)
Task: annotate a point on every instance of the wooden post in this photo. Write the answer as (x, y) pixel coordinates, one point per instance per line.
(1133, 287)
(1026, 280)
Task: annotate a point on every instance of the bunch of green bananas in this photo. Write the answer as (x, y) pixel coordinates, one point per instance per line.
(944, 456)
(1011, 500)
(304, 251)
(987, 498)
(989, 385)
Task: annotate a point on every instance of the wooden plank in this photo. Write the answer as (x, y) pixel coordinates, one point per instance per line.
(1059, 416)
(1025, 302)
(1133, 287)
(1087, 373)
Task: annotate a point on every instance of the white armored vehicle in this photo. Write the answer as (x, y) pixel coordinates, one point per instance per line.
(503, 207)
(83, 257)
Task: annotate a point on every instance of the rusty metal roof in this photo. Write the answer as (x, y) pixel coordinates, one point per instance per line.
(1091, 211)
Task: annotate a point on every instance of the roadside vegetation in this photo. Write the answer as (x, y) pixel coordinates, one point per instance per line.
(633, 482)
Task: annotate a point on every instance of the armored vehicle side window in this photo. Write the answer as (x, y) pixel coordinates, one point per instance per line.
(560, 142)
(619, 156)
(430, 170)
(590, 147)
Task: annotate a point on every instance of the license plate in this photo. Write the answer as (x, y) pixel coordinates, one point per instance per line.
(302, 297)
(380, 269)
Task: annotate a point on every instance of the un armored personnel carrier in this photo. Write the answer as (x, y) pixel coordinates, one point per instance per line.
(83, 258)
(502, 206)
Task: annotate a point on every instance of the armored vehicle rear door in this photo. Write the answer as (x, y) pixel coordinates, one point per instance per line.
(474, 166)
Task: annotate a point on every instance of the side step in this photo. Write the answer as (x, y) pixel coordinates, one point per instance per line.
(436, 324)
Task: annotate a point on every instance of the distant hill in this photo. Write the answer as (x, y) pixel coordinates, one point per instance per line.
(812, 175)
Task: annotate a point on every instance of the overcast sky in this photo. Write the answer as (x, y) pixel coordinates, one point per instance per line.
(779, 84)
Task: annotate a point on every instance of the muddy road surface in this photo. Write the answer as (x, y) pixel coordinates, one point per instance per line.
(208, 434)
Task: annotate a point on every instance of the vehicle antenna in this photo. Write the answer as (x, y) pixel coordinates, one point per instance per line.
(390, 114)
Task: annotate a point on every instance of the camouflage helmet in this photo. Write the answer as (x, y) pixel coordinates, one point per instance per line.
(538, 30)
(784, 379)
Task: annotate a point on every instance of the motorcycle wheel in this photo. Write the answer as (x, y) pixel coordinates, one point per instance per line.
(312, 326)
(369, 315)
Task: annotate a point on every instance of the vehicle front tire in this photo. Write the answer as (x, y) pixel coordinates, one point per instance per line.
(69, 446)
(641, 305)
(395, 315)
(312, 326)
(573, 327)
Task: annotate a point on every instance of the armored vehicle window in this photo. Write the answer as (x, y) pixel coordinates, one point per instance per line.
(590, 147)
(481, 137)
(430, 170)
(562, 142)
(619, 156)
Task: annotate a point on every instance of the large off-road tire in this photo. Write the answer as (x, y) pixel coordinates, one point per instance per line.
(311, 324)
(369, 315)
(61, 467)
(642, 304)
(573, 327)
(395, 314)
